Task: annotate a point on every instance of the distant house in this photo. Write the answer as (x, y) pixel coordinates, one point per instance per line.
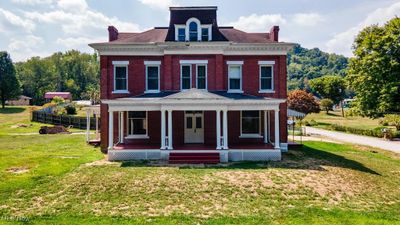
(21, 100)
(65, 95)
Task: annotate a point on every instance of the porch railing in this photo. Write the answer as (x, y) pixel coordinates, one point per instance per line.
(78, 122)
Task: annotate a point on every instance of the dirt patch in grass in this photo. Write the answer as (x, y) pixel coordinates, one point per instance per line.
(18, 170)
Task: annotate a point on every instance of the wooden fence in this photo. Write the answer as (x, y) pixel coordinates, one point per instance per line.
(65, 120)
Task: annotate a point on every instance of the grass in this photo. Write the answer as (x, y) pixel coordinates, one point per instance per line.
(335, 117)
(57, 179)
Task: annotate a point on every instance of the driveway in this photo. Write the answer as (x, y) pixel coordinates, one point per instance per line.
(393, 146)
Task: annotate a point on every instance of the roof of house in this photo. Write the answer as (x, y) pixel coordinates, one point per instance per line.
(198, 94)
(51, 95)
(159, 34)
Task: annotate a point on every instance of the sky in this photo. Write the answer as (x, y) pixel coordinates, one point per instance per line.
(41, 27)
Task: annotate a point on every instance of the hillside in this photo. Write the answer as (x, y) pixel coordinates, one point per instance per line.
(305, 64)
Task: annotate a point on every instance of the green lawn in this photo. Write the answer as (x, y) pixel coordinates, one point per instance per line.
(58, 179)
(335, 117)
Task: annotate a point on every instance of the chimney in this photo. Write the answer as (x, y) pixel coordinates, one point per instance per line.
(112, 33)
(274, 33)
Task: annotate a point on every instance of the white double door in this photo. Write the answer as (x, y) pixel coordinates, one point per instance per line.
(194, 127)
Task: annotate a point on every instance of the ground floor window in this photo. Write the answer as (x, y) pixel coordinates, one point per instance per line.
(250, 121)
(137, 123)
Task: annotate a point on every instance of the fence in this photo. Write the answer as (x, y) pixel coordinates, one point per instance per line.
(74, 121)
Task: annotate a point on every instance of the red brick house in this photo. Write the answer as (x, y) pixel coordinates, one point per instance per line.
(193, 91)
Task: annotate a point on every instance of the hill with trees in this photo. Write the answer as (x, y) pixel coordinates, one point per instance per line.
(306, 64)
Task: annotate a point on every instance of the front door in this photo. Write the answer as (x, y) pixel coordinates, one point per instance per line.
(194, 127)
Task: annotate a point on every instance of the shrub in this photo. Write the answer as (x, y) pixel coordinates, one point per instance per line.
(302, 101)
(377, 132)
(57, 100)
(70, 109)
(58, 111)
(326, 104)
(392, 120)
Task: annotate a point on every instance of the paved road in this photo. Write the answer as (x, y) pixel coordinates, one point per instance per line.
(356, 139)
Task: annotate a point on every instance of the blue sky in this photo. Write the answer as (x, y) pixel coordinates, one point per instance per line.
(40, 27)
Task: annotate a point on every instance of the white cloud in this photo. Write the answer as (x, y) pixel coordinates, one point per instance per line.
(307, 19)
(159, 4)
(72, 5)
(75, 43)
(11, 22)
(24, 47)
(32, 2)
(258, 23)
(341, 42)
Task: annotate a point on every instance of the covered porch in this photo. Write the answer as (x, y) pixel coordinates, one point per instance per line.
(193, 121)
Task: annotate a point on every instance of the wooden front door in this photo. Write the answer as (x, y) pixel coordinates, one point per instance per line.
(194, 127)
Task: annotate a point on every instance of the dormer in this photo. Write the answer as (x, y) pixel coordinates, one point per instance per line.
(194, 24)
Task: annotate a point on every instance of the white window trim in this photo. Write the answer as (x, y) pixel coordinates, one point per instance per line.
(206, 76)
(255, 135)
(235, 63)
(193, 19)
(138, 136)
(272, 90)
(152, 64)
(209, 27)
(193, 61)
(266, 62)
(190, 66)
(120, 64)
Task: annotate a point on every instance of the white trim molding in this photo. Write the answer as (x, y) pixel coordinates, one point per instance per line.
(193, 61)
(120, 63)
(234, 62)
(152, 63)
(266, 62)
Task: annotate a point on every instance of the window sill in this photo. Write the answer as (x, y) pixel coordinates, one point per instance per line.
(120, 92)
(250, 136)
(235, 91)
(266, 91)
(137, 137)
(152, 91)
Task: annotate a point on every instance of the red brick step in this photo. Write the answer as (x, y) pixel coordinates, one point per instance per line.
(194, 157)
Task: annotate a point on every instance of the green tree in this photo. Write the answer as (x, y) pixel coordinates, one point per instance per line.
(374, 72)
(332, 87)
(9, 85)
(326, 104)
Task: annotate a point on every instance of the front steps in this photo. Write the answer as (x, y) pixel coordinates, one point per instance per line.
(194, 157)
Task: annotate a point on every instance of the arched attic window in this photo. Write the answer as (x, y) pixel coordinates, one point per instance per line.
(193, 31)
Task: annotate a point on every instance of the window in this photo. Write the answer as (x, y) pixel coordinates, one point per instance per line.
(201, 77)
(235, 76)
(120, 78)
(181, 34)
(266, 77)
(186, 74)
(193, 31)
(137, 123)
(204, 34)
(250, 123)
(152, 78)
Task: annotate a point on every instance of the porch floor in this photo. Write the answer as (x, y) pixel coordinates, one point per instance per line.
(247, 146)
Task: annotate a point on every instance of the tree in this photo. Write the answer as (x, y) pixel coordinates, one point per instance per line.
(374, 71)
(326, 104)
(9, 85)
(302, 101)
(332, 87)
(392, 120)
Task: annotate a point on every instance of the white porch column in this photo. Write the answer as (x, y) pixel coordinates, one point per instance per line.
(121, 127)
(218, 128)
(110, 129)
(265, 127)
(170, 129)
(97, 127)
(277, 144)
(88, 125)
(163, 129)
(225, 129)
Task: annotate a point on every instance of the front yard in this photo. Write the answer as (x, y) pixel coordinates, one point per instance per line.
(59, 179)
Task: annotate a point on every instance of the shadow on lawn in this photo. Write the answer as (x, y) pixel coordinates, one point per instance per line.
(306, 158)
(11, 110)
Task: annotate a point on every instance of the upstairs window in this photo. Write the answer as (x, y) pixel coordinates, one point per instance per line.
(181, 34)
(235, 76)
(186, 74)
(204, 34)
(266, 76)
(120, 76)
(193, 35)
(201, 77)
(152, 76)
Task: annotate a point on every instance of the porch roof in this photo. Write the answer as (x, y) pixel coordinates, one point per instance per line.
(193, 99)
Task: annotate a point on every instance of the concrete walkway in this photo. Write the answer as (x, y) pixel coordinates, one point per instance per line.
(393, 146)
